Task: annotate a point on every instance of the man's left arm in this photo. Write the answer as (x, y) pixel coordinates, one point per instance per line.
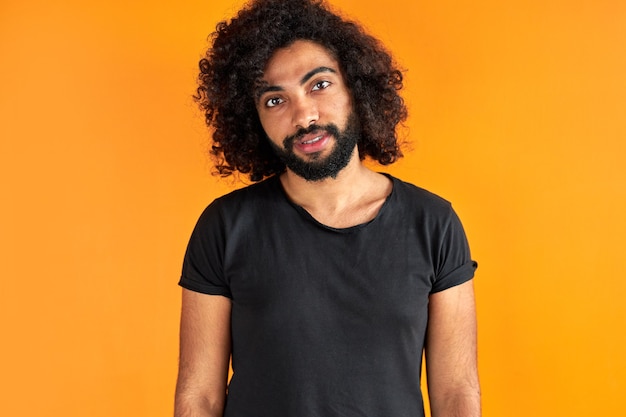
(451, 363)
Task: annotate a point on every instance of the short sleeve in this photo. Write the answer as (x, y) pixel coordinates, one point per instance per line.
(454, 265)
(203, 264)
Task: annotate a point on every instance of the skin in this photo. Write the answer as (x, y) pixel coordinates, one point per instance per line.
(303, 85)
(204, 355)
(451, 365)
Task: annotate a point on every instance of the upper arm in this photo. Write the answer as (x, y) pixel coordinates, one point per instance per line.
(451, 366)
(205, 347)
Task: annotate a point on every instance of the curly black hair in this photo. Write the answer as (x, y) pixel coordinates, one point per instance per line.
(234, 64)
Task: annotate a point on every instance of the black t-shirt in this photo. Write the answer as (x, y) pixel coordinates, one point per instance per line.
(326, 322)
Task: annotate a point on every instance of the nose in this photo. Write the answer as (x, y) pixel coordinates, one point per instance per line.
(305, 112)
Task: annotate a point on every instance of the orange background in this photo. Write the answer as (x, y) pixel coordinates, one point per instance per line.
(517, 116)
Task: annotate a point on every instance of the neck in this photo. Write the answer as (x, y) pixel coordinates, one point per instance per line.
(329, 190)
(353, 197)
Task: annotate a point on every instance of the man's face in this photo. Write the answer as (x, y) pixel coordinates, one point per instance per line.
(306, 111)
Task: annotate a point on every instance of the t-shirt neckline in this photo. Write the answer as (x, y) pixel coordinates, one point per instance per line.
(351, 229)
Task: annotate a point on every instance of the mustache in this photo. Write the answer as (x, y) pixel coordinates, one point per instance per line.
(300, 133)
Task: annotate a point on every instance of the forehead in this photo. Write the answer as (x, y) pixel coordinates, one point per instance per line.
(293, 61)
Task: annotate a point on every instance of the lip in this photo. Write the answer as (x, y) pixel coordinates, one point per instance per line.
(312, 142)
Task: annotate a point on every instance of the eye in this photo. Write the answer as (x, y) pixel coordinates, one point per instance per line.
(273, 102)
(320, 85)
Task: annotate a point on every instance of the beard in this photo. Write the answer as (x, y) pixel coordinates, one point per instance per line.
(319, 168)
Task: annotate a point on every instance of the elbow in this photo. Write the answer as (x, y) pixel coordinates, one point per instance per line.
(199, 405)
(462, 401)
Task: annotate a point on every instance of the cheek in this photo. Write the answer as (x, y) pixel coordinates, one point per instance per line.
(264, 119)
(342, 99)
(271, 126)
(339, 108)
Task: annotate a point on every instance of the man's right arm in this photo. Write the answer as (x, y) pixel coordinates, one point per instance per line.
(205, 347)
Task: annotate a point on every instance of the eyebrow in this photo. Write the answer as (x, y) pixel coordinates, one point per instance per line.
(264, 86)
(315, 71)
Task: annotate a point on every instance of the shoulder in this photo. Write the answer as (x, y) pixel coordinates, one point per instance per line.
(266, 189)
(244, 203)
(416, 198)
(426, 210)
(248, 197)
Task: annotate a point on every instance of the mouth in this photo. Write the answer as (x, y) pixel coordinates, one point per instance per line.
(312, 142)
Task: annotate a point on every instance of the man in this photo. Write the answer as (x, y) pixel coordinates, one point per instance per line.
(324, 281)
